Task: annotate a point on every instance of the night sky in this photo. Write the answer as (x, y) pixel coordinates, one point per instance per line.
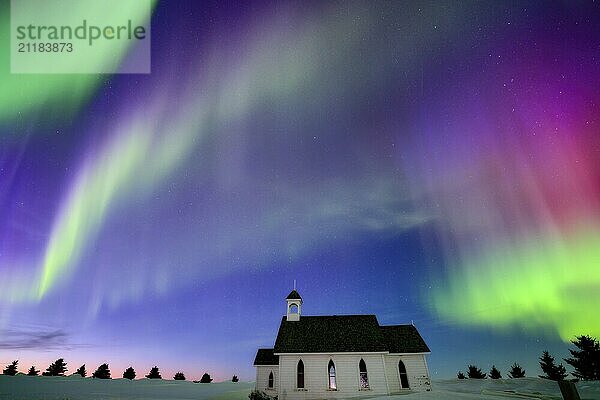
(421, 161)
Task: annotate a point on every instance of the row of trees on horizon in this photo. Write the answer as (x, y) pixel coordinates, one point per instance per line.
(59, 367)
(585, 361)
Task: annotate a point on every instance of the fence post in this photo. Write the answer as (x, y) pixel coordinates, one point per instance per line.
(568, 390)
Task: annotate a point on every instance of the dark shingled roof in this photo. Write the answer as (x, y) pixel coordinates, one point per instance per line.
(404, 339)
(266, 357)
(346, 333)
(358, 333)
(293, 295)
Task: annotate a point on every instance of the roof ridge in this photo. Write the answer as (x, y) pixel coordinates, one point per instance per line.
(346, 333)
(338, 315)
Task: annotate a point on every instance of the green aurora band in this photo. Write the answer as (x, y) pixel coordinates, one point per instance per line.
(549, 282)
(58, 96)
(146, 151)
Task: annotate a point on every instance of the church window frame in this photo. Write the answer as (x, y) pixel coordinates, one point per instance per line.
(331, 376)
(300, 375)
(403, 375)
(363, 377)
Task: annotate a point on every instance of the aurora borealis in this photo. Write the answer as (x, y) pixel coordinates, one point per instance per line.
(427, 161)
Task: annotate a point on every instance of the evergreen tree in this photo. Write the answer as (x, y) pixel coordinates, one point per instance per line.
(81, 371)
(129, 373)
(475, 373)
(460, 375)
(154, 373)
(32, 371)
(206, 378)
(235, 379)
(494, 373)
(102, 372)
(551, 370)
(586, 360)
(516, 371)
(57, 368)
(11, 369)
(179, 376)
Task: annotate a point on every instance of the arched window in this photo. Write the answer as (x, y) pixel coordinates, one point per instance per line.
(364, 379)
(403, 375)
(271, 380)
(293, 308)
(331, 373)
(300, 375)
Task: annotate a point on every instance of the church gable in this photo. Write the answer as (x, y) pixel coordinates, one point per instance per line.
(404, 339)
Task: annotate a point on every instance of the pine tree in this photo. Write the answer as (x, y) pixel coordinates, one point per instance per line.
(235, 379)
(475, 373)
(102, 372)
(81, 371)
(57, 368)
(129, 373)
(179, 376)
(494, 373)
(11, 369)
(516, 371)
(551, 370)
(460, 375)
(154, 373)
(586, 360)
(32, 371)
(206, 378)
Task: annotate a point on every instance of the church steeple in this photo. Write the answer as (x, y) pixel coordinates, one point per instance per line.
(294, 302)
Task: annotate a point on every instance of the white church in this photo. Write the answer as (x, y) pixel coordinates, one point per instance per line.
(340, 356)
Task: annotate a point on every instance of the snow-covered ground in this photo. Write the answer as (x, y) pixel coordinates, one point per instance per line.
(497, 389)
(77, 388)
(74, 388)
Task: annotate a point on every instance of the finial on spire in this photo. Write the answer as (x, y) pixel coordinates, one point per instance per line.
(294, 284)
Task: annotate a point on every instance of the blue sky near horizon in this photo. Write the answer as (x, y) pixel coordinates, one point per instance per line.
(430, 162)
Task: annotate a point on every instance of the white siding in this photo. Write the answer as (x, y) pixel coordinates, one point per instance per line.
(416, 370)
(316, 376)
(262, 378)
